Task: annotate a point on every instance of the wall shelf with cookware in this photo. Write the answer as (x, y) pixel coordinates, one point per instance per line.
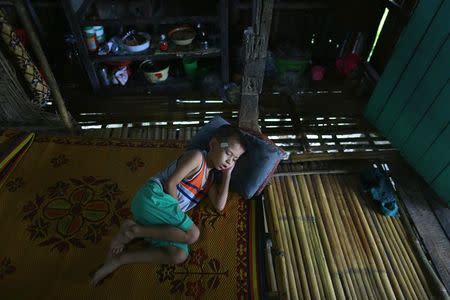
(136, 47)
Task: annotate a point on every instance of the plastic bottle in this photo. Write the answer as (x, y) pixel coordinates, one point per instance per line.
(163, 44)
(99, 33)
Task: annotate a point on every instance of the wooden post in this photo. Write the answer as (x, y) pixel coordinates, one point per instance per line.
(36, 45)
(224, 34)
(256, 39)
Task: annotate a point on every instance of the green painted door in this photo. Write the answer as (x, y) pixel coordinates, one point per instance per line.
(411, 103)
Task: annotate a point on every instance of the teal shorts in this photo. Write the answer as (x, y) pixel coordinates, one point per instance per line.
(152, 206)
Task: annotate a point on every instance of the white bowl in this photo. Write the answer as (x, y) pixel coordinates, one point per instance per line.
(140, 47)
(182, 42)
(157, 76)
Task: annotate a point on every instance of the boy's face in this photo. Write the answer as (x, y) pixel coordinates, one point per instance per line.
(224, 154)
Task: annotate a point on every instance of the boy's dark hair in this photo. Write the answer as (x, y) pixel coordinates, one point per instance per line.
(225, 132)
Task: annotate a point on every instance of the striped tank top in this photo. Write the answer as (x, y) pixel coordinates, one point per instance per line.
(190, 191)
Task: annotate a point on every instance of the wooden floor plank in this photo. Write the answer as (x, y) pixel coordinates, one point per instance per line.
(107, 133)
(423, 205)
(116, 132)
(125, 130)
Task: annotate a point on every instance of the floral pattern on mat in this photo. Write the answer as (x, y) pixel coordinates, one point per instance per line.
(59, 160)
(6, 267)
(71, 213)
(205, 215)
(135, 164)
(15, 184)
(193, 277)
(242, 260)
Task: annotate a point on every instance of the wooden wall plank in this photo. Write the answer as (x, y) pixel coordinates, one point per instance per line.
(437, 157)
(441, 184)
(429, 128)
(427, 55)
(408, 41)
(427, 92)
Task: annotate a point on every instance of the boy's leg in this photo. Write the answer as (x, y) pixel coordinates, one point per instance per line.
(158, 217)
(131, 230)
(122, 238)
(160, 255)
(166, 233)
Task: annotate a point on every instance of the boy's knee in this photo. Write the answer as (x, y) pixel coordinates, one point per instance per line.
(177, 255)
(192, 234)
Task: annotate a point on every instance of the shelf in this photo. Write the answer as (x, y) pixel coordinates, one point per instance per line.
(141, 86)
(286, 5)
(152, 20)
(158, 55)
(218, 50)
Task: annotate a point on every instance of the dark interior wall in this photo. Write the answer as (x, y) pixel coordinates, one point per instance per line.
(129, 11)
(170, 8)
(298, 23)
(396, 21)
(50, 25)
(76, 4)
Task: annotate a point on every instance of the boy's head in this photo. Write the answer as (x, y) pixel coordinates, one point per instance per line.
(226, 146)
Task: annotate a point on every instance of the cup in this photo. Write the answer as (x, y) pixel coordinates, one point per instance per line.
(190, 66)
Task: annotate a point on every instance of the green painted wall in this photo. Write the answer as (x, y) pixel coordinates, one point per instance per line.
(411, 103)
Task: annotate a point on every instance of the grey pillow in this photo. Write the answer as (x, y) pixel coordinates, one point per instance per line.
(254, 168)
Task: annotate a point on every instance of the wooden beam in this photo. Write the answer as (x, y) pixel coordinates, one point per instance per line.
(291, 6)
(256, 40)
(224, 36)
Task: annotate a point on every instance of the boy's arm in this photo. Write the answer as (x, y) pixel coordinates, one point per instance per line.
(187, 163)
(218, 193)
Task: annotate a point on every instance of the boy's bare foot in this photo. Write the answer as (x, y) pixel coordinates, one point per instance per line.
(121, 239)
(110, 266)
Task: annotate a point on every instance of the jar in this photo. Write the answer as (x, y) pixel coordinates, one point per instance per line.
(91, 39)
(99, 33)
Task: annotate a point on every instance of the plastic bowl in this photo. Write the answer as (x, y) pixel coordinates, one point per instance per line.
(154, 72)
(143, 42)
(296, 65)
(182, 36)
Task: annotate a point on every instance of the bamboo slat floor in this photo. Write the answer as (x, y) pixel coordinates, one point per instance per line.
(334, 244)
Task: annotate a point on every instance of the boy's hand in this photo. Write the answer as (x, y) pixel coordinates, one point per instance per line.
(229, 170)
